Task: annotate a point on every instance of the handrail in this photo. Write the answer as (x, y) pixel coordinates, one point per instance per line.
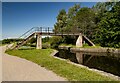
(45, 29)
(27, 32)
(35, 29)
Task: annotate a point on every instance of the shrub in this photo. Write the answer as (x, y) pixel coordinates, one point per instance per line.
(55, 41)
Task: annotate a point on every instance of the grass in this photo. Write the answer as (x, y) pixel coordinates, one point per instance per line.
(62, 68)
(26, 47)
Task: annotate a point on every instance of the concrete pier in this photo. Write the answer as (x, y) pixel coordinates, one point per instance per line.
(79, 41)
(39, 42)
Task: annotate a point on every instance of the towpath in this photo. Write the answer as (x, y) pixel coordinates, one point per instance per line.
(18, 69)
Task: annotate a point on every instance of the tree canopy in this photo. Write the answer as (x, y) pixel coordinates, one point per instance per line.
(101, 23)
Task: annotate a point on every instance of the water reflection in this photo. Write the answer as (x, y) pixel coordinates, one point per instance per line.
(103, 61)
(79, 57)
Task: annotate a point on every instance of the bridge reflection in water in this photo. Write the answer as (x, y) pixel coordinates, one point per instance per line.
(81, 55)
(103, 61)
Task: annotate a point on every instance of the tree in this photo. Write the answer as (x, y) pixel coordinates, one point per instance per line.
(99, 23)
(61, 21)
(66, 22)
(109, 27)
(85, 18)
(71, 20)
(55, 41)
(71, 24)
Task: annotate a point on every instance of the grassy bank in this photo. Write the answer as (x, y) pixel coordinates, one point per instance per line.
(62, 68)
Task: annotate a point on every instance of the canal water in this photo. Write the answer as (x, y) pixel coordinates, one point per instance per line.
(103, 61)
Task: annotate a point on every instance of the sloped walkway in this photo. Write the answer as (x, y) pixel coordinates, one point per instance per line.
(17, 69)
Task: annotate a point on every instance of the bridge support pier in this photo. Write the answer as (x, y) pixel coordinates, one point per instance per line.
(79, 41)
(39, 42)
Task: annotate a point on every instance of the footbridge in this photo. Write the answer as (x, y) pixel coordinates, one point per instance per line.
(38, 32)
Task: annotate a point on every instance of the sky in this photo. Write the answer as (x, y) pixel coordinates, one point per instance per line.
(18, 17)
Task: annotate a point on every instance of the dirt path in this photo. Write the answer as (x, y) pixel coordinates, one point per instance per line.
(17, 69)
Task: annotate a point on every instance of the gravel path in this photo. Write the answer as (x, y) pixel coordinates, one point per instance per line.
(17, 69)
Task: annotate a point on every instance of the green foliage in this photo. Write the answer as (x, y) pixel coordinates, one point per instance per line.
(8, 41)
(78, 20)
(45, 45)
(109, 28)
(69, 39)
(61, 21)
(86, 21)
(62, 68)
(33, 40)
(71, 20)
(101, 23)
(55, 41)
(46, 39)
(85, 45)
(69, 45)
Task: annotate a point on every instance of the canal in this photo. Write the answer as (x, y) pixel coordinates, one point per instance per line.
(102, 61)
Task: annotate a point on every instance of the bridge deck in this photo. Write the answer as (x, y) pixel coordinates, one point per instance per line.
(57, 34)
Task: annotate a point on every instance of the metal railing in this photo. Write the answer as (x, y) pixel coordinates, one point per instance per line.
(36, 29)
(26, 34)
(48, 30)
(44, 29)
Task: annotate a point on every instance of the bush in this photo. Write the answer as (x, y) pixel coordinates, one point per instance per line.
(45, 45)
(85, 45)
(55, 41)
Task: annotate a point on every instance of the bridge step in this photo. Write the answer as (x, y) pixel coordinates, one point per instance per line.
(24, 41)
